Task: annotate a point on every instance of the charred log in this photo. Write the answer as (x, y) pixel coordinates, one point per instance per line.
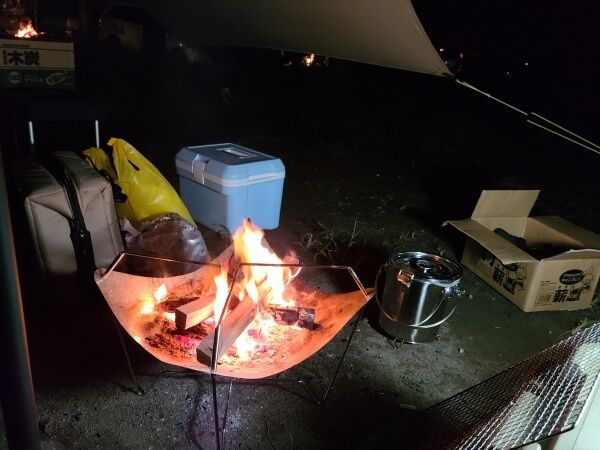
(232, 326)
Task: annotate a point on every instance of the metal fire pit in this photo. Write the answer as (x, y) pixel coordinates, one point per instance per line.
(127, 292)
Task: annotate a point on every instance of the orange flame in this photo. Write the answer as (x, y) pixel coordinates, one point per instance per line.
(264, 285)
(147, 307)
(270, 282)
(26, 30)
(222, 292)
(160, 293)
(149, 303)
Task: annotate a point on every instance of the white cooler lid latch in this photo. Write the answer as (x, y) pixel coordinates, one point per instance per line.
(198, 168)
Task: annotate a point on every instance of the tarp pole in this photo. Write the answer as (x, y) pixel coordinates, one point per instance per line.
(18, 401)
(582, 142)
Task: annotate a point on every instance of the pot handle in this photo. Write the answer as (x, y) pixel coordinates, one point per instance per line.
(457, 293)
(379, 303)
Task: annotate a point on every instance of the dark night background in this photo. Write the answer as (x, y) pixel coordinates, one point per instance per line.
(558, 39)
(538, 55)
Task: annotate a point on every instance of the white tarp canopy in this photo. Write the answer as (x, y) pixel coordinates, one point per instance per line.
(381, 32)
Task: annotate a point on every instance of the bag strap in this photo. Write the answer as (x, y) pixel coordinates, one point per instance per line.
(80, 236)
(118, 195)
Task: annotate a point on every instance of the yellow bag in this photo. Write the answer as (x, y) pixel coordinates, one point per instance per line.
(149, 194)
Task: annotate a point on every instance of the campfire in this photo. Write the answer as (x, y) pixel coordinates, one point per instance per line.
(26, 30)
(308, 60)
(263, 309)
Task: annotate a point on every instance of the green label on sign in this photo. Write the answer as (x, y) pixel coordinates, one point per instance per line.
(37, 78)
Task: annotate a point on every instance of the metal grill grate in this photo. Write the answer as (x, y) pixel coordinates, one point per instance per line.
(540, 397)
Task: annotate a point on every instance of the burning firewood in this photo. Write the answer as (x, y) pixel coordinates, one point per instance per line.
(294, 315)
(26, 30)
(190, 314)
(232, 326)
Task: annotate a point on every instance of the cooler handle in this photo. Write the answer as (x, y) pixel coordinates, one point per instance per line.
(198, 167)
(237, 152)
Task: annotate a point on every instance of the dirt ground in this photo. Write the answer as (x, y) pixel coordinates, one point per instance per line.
(390, 155)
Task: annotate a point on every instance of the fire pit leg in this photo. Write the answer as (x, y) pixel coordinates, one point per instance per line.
(219, 434)
(360, 315)
(136, 386)
(213, 379)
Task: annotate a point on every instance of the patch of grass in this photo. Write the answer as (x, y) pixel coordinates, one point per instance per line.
(417, 239)
(331, 245)
(584, 323)
(596, 300)
(399, 241)
(594, 317)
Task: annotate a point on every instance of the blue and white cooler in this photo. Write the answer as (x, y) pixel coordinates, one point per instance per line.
(222, 184)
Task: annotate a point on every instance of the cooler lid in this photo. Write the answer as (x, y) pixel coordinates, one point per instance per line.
(228, 165)
(230, 154)
(426, 267)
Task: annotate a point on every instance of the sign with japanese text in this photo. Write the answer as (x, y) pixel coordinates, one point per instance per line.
(30, 63)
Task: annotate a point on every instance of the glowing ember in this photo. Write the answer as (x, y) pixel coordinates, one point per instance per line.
(170, 316)
(263, 284)
(26, 30)
(147, 307)
(263, 330)
(160, 293)
(245, 345)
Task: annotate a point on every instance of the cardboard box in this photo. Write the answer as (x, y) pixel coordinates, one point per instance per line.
(565, 280)
(33, 63)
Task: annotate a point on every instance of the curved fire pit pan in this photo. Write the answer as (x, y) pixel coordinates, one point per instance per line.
(126, 293)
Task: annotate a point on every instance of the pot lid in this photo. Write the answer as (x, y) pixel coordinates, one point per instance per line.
(426, 267)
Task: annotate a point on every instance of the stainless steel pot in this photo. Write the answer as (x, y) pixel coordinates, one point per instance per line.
(420, 293)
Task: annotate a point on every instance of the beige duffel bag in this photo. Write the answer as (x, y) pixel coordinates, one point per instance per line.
(50, 217)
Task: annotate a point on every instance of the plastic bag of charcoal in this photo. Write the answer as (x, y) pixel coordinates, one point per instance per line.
(168, 238)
